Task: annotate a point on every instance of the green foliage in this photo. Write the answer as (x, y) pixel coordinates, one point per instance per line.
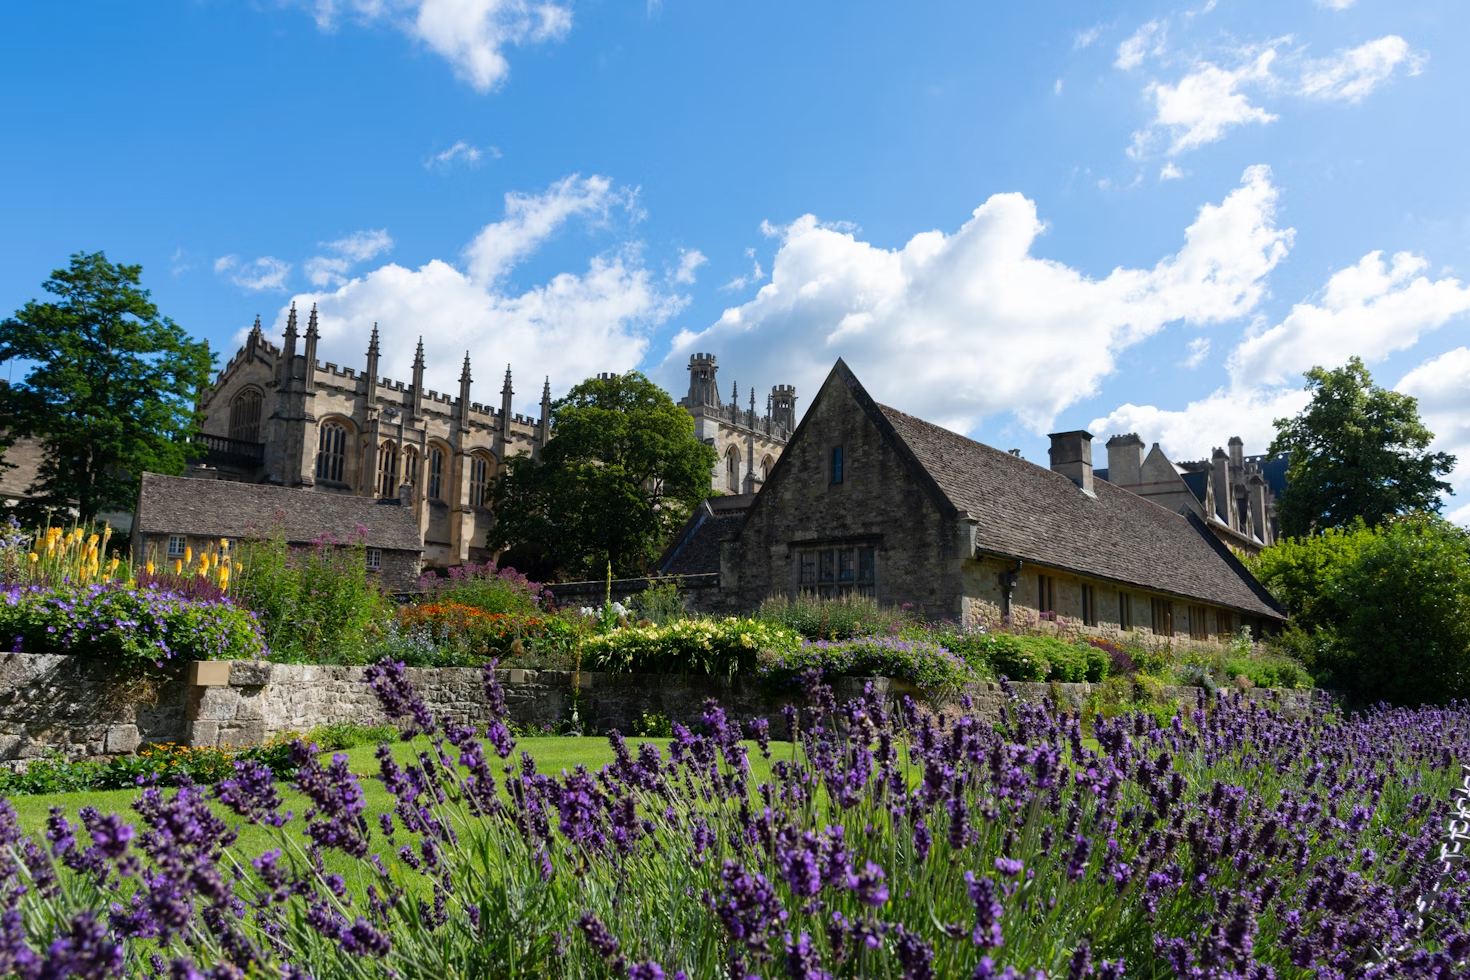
(971, 644)
(314, 604)
(489, 588)
(166, 762)
(1122, 695)
(1357, 451)
(661, 603)
(919, 662)
(621, 473)
(1044, 658)
(816, 618)
(720, 648)
(653, 726)
(110, 387)
(1379, 613)
(1268, 671)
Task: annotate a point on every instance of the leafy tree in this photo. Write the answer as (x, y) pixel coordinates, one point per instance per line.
(110, 386)
(622, 471)
(1379, 613)
(1358, 450)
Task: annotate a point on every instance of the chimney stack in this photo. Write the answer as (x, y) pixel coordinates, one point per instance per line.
(1125, 460)
(1071, 456)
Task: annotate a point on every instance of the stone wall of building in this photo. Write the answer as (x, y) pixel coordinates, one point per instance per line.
(52, 704)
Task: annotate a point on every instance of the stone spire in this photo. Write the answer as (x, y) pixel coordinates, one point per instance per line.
(418, 380)
(750, 418)
(464, 389)
(312, 336)
(506, 393)
(372, 371)
(543, 430)
(286, 368)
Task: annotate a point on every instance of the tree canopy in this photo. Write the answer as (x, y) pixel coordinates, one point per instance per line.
(620, 473)
(1357, 451)
(110, 386)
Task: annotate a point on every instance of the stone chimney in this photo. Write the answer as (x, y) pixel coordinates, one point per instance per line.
(1220, 479)
(1125, 460)
(1071, 456)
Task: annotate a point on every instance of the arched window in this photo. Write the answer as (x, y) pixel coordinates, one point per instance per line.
(411, 466)
(479, 481)
(767, 465)
(388, 469)
(436, 473)
(732, 470)
(245, 416)
(331, 451)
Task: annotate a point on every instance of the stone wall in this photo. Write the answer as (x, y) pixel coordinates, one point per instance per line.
(52, 703)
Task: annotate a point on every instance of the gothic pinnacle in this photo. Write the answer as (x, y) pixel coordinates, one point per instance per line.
(464, 375)
(418, 356)
(311, 322)
(373, 343)
(291, 320)
(507, 389)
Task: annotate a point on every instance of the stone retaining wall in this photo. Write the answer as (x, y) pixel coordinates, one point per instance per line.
(56, 703)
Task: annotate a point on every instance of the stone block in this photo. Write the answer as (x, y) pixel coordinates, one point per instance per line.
(519, 675)
(217, 704)
(242, 734)
(209, 673)
(250, 673)
(121, 738)
(203, 735)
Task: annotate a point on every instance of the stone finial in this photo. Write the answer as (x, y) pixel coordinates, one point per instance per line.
(291, 321)
(418, 355)
(373, 343)
(507, 390)
(464, 374)
(311, 330)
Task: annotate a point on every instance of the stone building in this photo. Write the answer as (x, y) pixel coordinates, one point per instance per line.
(867, 500)
(278, 415)
(748, 444)
(176, 513)
(1234, 494)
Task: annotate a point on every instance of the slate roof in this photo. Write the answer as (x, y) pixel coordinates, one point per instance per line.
(227, 509)
(696, 549)
(1026, 511)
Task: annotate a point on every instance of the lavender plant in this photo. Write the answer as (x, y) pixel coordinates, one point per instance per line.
(1234, 841)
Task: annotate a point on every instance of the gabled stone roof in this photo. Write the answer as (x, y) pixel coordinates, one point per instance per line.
(226, 509)
(1025, 511)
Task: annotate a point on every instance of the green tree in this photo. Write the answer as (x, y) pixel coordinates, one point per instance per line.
(1380, 613)
(110, 386)
(622, 471)
(1357, 450)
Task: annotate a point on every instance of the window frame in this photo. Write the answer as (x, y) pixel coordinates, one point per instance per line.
(836, 466)
(832, 570)
(1125, 611)
(331, 451)
(479, 480)
(182, 539)
(374, 559)
(387, 480)
(1089, 605)
(241, 428)
(435, 471)
(1046, 594)
(1162, 609)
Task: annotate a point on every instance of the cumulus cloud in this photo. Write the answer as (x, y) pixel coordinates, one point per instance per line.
(689, 260)
(1206, 103)
(470, 34)
(460, 154)
(1442, 386)
(1170, 172)
(957, 326)
(1147, 40)
(266, 272)
(1369, 309)
(1193, 431)
(571, 326)
(1352, 75)
(331, 269)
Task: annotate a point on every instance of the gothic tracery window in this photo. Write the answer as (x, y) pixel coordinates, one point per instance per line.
(479, 481)
(331, 451)
(436, 473)
(411, 466)
(388, 469)
(732, 470)
(245, 416)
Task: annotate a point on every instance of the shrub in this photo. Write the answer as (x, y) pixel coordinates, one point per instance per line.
(919, 662)
(1045, 658)
(723, 648)
(842, 618)
(489, 588)
(653, 726)
(969, 643)
(165, 763)
(132, 628)
(1268, 670)
(661, 603)
(484, 634)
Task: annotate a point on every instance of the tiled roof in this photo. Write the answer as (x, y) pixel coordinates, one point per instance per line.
(226, 509)
(1026, 511)
(697, 552)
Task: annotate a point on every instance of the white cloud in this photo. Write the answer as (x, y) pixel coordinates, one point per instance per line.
(266, 272)
(756, 273)
(1370, 310)
(1352, 75)
(1147, 40)
(331, 270)
(1199, 349)
(1205, 103)
(1057, 87)
(461, 153)
(1192, 432)
(571, 326)
(1442, 386)
(470, 34)
(1336, 4)
(962, 325)
(1170, 172)
(1084, 39)
(689, 261)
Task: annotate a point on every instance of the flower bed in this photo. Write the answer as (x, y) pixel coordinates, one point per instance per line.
(717, 647)
(468, 635)
(1231, 842)
(925, 664)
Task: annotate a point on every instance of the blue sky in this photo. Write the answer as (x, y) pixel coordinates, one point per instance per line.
(1009, 218)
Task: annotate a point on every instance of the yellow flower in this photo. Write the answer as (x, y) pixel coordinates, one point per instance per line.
(224, 579)
(92, 541)
(188, 556)
(35, 557)
(178, 567)
(112, 566)
(224, 544)
(149, 567)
